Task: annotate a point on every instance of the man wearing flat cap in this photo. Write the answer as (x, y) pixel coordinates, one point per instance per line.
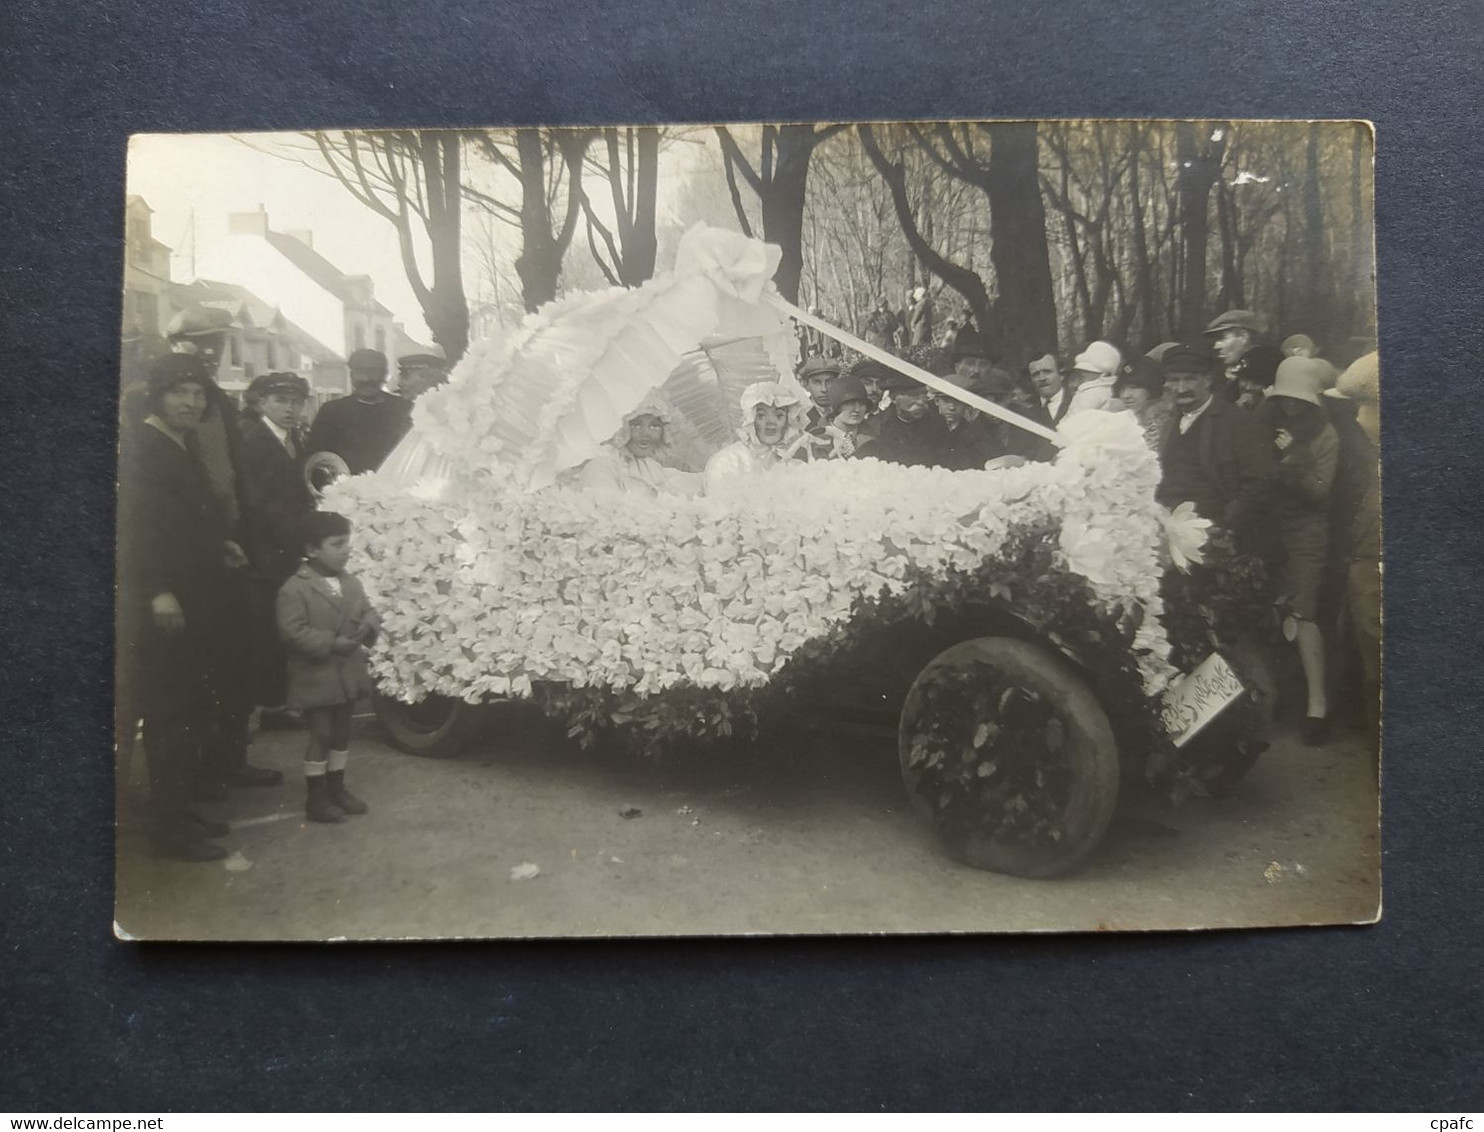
(362, 429)
(1214, 455)
(1234, 336)
(815, 376)
(275, 501)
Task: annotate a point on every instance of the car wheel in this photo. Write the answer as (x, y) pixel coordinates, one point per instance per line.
(1006, 750)
(436, 727)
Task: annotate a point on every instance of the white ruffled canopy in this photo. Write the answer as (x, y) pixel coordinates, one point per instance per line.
(528, 405)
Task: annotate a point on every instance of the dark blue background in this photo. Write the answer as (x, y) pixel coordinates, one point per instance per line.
(1382, 1017)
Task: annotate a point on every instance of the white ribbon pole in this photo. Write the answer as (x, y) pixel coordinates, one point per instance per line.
(916, 373)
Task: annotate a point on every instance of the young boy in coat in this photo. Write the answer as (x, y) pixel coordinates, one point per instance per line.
(326, 623)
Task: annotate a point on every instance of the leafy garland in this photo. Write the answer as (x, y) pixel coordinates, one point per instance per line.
(976, 729)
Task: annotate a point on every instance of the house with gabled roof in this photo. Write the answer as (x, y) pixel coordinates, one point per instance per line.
(333, 307)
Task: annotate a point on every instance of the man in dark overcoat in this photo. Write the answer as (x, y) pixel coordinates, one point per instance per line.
(362, 429)
(1215, 455)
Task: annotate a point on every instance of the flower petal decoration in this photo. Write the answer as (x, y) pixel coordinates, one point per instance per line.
(1185, 535)
(484, 585)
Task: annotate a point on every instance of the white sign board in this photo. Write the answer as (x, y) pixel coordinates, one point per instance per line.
(1198, 698)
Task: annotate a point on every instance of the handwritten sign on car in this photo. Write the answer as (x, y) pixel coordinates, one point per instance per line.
(1198, 698)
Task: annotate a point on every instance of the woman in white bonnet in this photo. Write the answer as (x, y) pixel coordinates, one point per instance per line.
(773, 419)
(630, 461)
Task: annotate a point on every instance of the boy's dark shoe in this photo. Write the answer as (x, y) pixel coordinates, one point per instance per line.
(182, 844)
(319, 806)
(202, 826)
(335, 784)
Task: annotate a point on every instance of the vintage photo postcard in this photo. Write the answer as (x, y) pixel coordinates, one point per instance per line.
(910, 527)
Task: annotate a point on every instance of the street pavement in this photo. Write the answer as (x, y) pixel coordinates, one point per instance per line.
(523, 835)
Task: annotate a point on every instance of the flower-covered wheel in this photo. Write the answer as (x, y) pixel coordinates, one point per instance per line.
(436, 727)
(1007, 751)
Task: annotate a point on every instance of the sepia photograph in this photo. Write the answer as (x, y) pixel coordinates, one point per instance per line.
(748, 529)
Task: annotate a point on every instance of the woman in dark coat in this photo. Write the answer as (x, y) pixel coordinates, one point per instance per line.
(173, 605)
(1304, 477)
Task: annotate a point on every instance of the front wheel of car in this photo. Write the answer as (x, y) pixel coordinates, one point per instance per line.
(436, 727)
(1006, 750)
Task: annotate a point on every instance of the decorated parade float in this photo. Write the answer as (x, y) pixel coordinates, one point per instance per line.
(1043, 636)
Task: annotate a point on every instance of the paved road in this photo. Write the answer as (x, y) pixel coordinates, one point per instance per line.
(815, 840)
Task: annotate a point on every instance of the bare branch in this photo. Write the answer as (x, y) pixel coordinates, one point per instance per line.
(730, 163)
(734, 154)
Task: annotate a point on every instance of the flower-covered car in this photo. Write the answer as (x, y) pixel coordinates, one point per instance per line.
(1025, 626)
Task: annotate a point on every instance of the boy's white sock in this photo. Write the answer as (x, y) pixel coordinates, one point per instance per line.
(315, 770)
(337, 759)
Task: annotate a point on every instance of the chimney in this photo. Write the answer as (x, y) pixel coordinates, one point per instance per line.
(362, 288)
(248, 223)
(303, 235)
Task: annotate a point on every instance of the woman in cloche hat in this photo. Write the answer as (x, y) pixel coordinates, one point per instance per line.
(1308, 454)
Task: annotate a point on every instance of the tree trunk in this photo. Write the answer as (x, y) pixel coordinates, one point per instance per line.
(783, 205)
(1025, 307)
(446, 309)
(642, 245)
(538, 265)
(1199, 160)
(1231, 272)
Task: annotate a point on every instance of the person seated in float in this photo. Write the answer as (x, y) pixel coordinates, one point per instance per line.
(773, 419)
(630, 462)
(849, 405)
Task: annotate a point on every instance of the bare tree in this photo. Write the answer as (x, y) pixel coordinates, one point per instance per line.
(628, 250)
(964, 280)
(999, 160)
(547, 165)
(780, 181)
(412, 179)
(1199, 148)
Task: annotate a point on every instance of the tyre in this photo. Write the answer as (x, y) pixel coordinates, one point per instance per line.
(436, 727)
(1008, 753)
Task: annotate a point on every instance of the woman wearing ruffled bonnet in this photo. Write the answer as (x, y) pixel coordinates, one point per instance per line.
(773, 420)
(630, 461)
